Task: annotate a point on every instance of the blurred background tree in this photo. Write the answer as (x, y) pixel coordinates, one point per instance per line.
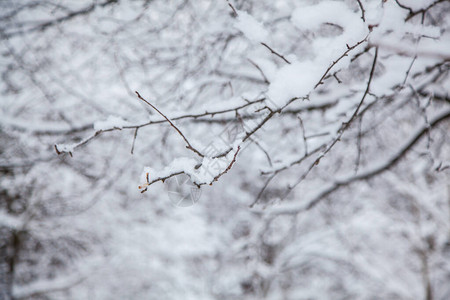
(325, 125)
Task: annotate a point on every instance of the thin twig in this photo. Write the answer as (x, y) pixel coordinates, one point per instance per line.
(262, 43)
(276, 53)
(145, 186)
(134, 139)
(341, 131)
(267, 118)
(359, 145)
(409, 70)
(295, 162)
(260, 71)
(232, 7)
(228, 168)
(349, 48)
(263, 150)
(362, 10)
(266, 184)
(189, 146)
(274, 173)
(303, 134)
(372, 71)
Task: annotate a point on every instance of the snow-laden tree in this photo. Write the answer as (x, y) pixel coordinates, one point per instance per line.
(309, 141)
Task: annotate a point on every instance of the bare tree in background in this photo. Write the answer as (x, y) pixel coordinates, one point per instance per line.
(317, 134)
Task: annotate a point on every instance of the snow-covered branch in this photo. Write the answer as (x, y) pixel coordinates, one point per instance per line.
(368, 172)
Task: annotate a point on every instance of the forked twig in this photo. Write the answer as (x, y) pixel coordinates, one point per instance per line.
(349, 48)
(229, 166)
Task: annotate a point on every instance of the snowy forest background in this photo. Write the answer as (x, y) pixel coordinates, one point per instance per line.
(273, 150)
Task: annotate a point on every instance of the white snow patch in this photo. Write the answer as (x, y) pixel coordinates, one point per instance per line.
(250, 27)
(204, 173)
(331, 12)
(65, 148)
(294, 80)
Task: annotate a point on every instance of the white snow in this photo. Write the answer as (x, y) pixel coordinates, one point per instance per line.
(391, 29)
(181, 164)
(209, 169)
(300, 78)
(66, 148)
(294, 80)
(334, 12)
(415, 4)
(250, 27)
